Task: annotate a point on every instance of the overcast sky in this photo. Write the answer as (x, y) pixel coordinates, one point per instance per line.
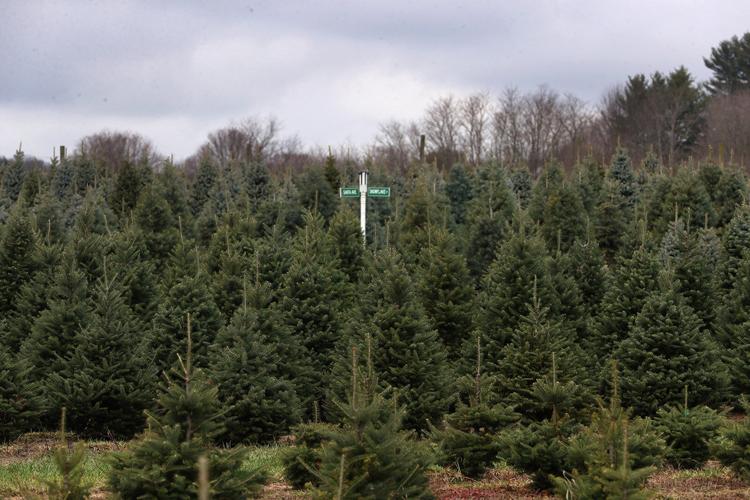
(330, 71)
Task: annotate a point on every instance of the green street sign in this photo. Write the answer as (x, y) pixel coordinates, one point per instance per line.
(379, 192)
(349, 192)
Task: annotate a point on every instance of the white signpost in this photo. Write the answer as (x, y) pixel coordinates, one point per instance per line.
(362, 193)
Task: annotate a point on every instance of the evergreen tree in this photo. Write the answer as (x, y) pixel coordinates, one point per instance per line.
(159, 225)
(733, 449)
(733, 327)
(106, 383)
(205, 179)
(127, 189)
(52, 336)
(730, 63)
(408, 354)
(488, 218)
(257, 184)
(666, 350)
(69, 464)
(621, 172)
(17, 248)
(190, 294)
(446, 292)
(468, 438)
(19, 400)
(316, 194)
(370, 456)
(529, 355)
(346, 240)
(252, 363)
(508, 287)
(632, 281)
(14, 176)
(459, 192)
(688, 432)
(163, 462)
(312, 298)
(735, 240)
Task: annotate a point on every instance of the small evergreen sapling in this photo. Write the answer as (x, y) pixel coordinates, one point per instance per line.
(69, 464)
(689, 433)
(733, 449)
(603, 461)
(468, 439)
(370, 456)
(163, 463)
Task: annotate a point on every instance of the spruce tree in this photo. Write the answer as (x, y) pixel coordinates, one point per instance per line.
(733, 449)
(408, 354)
(69, 464)
(52, 336)
(205, 179)
(631, 283)
(508, 287)
(733, 327)
(14, 176)
(128, 184)
(106, 382)
(446, 292)
(312, 295)
(529, 355)
(468, 438)
(666, 350)
(257, 184)
(252, 363)
(688, 432)
(458, 189)
(163, 462)
(370, 456)
(17, 264)
(488, 218)
(190, 294)
(19, 399)
(621, 172)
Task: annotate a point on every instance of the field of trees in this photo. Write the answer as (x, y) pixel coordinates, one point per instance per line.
(577, 323)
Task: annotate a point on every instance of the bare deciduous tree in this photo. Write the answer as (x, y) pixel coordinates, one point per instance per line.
(112, 150)
(473, 118)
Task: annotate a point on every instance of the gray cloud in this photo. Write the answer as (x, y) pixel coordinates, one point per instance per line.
(330, 70)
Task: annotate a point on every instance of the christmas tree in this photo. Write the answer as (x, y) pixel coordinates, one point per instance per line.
(163, 462)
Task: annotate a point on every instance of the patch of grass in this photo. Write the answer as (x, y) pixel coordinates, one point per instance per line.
(31, 475)
(267, 458)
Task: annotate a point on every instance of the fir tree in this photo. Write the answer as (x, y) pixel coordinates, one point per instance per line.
(346, 241)
(445, 291)
(127, 189)
(163, 462)
(606, 460)
(14, 176)
(106, 383)
(251, 361)
(529, 354)
(311, 297)
(52, 336)
(733, 449)
(69, 464)
(488, 219)
(459, 192)
(408, 354)
(632, 281)
(17, 265)
(508, 287)
(688, 432)
(370, 456)
(190, 294)
(468, 438)
(19, 400)
(666, 350)
(205, 179)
